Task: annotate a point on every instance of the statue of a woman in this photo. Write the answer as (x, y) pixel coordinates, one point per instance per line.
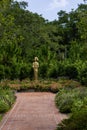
(35, 67)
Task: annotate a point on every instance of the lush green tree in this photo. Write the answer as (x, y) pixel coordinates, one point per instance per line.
(24, 35)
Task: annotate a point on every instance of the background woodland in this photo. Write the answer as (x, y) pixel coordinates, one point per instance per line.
(60, 45)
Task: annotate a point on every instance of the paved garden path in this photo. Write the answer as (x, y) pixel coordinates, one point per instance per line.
(32, 111)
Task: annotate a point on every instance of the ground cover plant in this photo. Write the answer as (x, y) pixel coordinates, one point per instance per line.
(78, 121)
(27, 85)
(7, 98)
(49, 85)
(0, 117)
(73, 101)
(68, 97)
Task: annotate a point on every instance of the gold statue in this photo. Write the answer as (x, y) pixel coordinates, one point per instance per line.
(35, 67)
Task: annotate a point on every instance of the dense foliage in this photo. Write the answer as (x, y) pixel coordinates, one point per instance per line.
(73, 101)
(69, 99)
(7, 98)
(78, 121)
(61, 45)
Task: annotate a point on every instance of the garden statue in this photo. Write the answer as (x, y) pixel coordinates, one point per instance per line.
(35, 67)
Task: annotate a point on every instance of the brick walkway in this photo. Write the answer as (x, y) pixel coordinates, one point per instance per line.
(32, 111)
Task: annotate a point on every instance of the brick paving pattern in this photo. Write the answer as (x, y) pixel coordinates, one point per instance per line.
(33, 111)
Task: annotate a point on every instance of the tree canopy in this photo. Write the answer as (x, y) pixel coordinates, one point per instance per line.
(58, 44)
